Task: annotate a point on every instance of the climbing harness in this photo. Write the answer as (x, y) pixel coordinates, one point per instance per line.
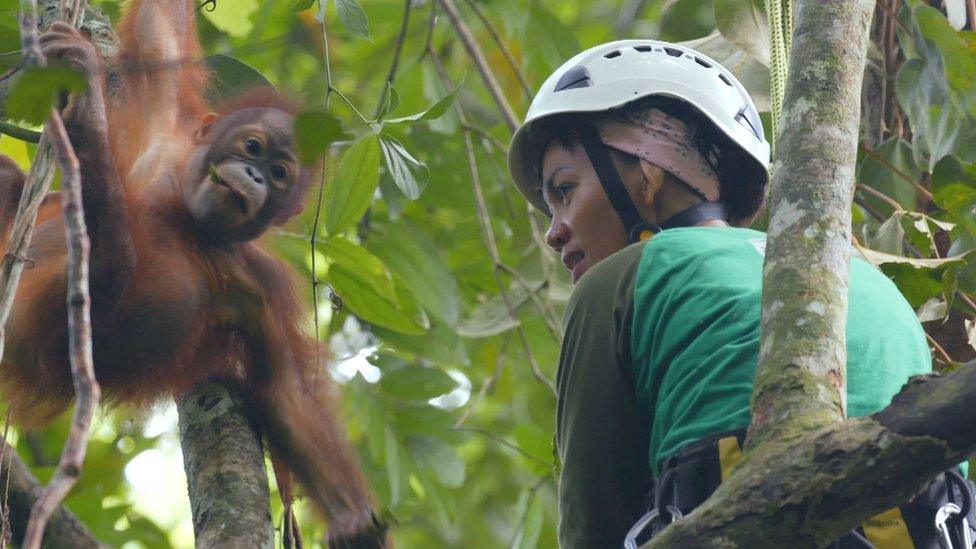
(779, 14)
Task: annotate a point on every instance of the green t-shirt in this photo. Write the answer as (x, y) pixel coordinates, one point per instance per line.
(660, 349)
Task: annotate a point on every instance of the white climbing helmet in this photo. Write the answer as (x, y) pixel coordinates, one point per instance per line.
(614, 74)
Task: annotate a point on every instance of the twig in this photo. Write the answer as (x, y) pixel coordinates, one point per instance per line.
(489, 383)
(880, 195)
(397, 50)
(87, 391)
(945, 355)
(5, 531)
(479, 60)
(549, 315)
(520, 528)
(496, 143)
(884, 161)
(17, 132)
(503, 47)
(489, 235)
(505, 443)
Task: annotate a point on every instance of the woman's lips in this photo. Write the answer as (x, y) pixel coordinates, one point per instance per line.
(574, 262)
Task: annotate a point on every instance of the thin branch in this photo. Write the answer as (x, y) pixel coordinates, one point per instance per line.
(941, 351)
(884, 161)
(17, 132)
(484, 218)
(397, 51)
(496, 143)
(489, 383)
(528, 506)
(548, 314)
(880, 195)
(503, 47)
(87, 391)
(470, 44)
(505, 443)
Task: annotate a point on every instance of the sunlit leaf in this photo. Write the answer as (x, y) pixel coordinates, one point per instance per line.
(349, 194)
(231, 77)
(417, 382)
(354, 258)
(234, 18)
(368, 303)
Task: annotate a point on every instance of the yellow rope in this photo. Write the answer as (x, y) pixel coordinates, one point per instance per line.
(779, 14)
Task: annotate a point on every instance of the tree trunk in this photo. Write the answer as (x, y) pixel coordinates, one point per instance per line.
(225, 473)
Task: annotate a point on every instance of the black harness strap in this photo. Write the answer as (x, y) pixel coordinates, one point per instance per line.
(613, 186)
(699, 213)
(609, 178)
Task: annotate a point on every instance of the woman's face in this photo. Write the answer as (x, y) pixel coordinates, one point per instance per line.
(585, 229)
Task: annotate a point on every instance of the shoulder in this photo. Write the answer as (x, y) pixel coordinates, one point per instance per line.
(609, 281)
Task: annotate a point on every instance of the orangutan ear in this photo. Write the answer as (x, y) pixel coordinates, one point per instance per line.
(206, 124)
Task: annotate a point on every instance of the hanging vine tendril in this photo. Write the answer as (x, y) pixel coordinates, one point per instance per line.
(209, 5)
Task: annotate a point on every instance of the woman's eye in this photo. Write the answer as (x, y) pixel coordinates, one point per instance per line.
(252, 146)
(562, 191)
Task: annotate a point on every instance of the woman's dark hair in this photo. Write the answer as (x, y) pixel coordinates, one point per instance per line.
(742, 179)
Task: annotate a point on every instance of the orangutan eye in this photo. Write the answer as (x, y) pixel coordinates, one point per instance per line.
(252, 146)
(278, 171)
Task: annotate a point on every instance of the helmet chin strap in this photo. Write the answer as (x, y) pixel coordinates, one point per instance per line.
(636, 227)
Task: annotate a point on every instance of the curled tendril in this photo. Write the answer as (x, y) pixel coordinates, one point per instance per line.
(209, 5)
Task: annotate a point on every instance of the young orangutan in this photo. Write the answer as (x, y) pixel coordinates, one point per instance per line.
(175, 196)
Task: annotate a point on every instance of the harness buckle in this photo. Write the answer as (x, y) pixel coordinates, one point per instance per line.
(943, 516)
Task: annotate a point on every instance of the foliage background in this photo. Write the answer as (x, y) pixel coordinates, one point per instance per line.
(448, 333)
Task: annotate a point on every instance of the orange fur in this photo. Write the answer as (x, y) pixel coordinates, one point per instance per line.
(171, 308)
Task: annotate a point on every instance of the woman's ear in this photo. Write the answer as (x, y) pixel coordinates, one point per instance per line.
(651, 183)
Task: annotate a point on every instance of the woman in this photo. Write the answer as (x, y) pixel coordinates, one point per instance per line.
(656, 145)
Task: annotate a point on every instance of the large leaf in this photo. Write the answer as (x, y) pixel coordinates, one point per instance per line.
(750, 71)
(353, 17)
(493, 317)
(880, 258)
(416, 382)
(435, 111)
(440, 458)
(231, 77)
(37, 89)
(938, 129)
(354, 258)
(349, 195)
(890, 169)
(743, 23)
(368, 303)
(234, 18)
(409, 174)
(315, 130)
(414, 258)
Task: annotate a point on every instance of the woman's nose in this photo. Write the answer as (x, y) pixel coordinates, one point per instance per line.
(558, 234)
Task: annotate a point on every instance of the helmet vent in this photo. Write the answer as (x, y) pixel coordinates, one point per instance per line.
(674, 52)
(703, 63)
(611, 55)
(644, 48)
(576, 77)
(725, 79)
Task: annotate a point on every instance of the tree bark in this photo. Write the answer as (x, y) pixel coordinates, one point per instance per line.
(801, 375)
(224, 462)
(63, 528)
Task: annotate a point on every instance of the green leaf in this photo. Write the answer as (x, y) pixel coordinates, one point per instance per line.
(315, 130)
(492, 317)
(743, 22)
(890, 236)
(353, 17)
(954, 190)
(348, 196)
(441, 459)
(433, 112)
(417, 383)
(954, 49)
(233, 18)
(302, 5)
(354, 258)
(440, 345)
(409, 174)
(35, 93)
(231, 77)
(368, 303)
(413, 257)
(878, 171)
(392, 462)
(880, 258)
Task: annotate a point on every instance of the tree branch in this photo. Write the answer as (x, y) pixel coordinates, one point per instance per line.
(63, 529)
(225, 472)
(801, 376)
